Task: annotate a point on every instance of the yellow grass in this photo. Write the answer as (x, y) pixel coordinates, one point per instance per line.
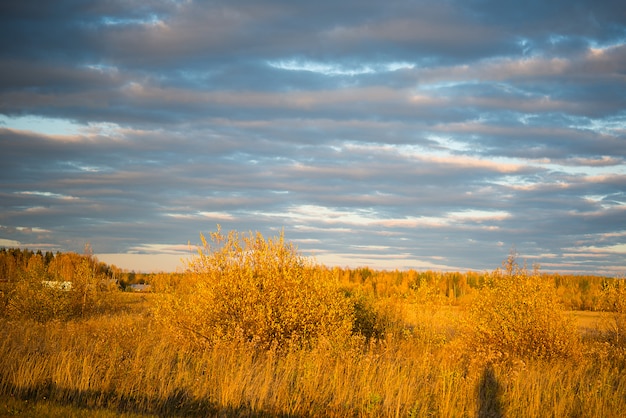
(253, 329)
(121, 363)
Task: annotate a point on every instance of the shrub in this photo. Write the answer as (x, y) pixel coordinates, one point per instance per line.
(35, 296)
(376, 319)
(517, 314)
(613, 302)
(242, 287)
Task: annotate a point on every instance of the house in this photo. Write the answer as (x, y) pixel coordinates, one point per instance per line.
(139, 287)
(58, 285)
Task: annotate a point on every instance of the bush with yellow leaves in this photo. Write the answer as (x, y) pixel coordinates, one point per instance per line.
(44, 295)
(245, 288)
(613, 303)
(517, 314)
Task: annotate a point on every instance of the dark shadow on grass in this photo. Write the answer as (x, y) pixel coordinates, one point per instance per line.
(178, 404)
(489, 395)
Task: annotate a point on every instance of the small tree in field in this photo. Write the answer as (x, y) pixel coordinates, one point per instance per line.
(518, 314)
(67, 289)
(244, 288)
(613, 302)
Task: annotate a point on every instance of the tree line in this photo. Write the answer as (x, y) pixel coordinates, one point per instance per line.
(575, 292)
(17, 264)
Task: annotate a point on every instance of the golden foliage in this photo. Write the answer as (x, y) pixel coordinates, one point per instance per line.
(518, 314)
(123, 363)
(242, 287)
(68, 288)
(613, 302)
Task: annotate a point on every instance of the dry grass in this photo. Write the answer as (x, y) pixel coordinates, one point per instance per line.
(280, 339)
(120, 363)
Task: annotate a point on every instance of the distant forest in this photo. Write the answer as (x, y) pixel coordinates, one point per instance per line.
(17, 264)
(576, 292)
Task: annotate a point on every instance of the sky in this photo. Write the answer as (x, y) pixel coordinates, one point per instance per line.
(429, 135)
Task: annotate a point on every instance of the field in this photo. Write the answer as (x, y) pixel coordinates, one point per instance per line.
(273, 335)
(120, 363)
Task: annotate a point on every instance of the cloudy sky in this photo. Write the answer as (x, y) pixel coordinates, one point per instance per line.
(394, 134)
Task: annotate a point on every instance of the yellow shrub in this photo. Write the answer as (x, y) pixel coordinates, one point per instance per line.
(518, 314)
(29, 297)
(37, 298)
(613, 302)
(242, 287)
(377, 319)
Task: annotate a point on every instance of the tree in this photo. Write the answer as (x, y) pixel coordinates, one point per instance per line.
(244, 288)
(518, 314)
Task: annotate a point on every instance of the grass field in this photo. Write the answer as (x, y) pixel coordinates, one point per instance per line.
(121, 365)
(252, 329)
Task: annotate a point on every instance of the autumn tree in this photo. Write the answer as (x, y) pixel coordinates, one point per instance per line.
(245, 288)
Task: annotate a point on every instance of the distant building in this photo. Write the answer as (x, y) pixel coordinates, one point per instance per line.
(139, 287)
(58, 285)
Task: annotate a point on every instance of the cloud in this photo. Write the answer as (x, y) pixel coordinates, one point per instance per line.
(9, 243)
(397, 134)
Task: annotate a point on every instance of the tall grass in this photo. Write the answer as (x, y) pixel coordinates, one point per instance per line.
(509, 350)
(121, 363)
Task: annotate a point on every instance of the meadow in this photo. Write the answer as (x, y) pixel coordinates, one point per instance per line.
(252, 328)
